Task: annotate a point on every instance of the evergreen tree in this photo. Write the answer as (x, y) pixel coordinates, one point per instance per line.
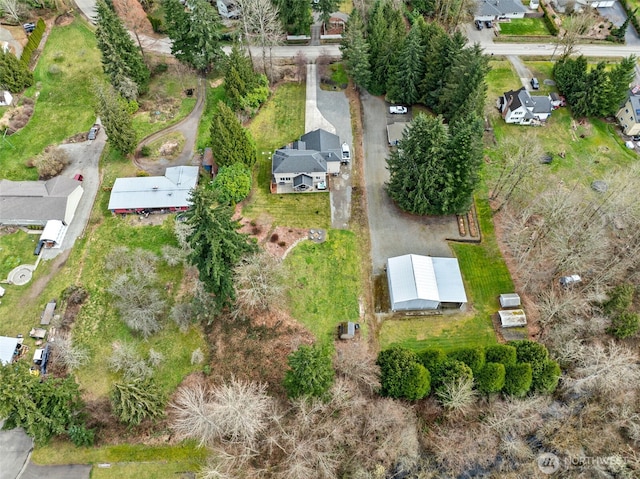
(441, 53)
(122, 61)
(134, 401)
(14, 75)
(620, 77)
(216, 245)
(571, 78)
(295, 16)
(402, 375)
(405, 87)
(240, 79)
(597, 91)
(386, 33)
(326, 8)
(355, 51)
(195, 34)
(113, 111)
(311, 372)
(230, 141)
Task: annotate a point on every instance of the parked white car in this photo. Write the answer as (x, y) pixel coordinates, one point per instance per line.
(398, 110)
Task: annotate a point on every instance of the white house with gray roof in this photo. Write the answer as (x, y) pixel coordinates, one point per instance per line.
(499, 10)
(28, 203)
(629, 115)
(170, 192)
(305, 163)
(519, 107)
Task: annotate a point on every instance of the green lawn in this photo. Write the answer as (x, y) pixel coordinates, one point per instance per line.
(62, 452)
(64, 104)
(280, 121)
(524, 26)
(324, 283)
(16, 249)
(145, 470)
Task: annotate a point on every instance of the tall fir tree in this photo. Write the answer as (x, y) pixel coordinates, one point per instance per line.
(355, 51)
(14, 75)
(440, 55)
(195, 34)
(216, 245)
(620, 77)
(230, 141)
(405, 87)
(326, 8)
(386, 33)
(114, 114)
(122, 61)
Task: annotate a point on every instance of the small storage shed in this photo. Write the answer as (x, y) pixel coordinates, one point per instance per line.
(53, 233)
(347, 330)
(8, 347)
(509, 300)
(512, 318)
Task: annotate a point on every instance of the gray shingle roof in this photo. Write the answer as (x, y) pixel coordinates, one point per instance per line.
(321, 140)
(499, 8)
(298, 161)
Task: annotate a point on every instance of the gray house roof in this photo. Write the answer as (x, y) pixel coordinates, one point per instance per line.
(35, 201)
(298, 161)
(634, 98)
(541, 104)
(321, 140)
(499, 8)
(172, 190)
(423, 282)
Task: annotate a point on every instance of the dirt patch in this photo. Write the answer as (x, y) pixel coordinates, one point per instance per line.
(17, 117)
(64, 19)
(133, 16)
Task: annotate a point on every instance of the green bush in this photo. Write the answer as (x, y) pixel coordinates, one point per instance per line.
(518, 379)
(624, 325)
(81, 436)
(547, 380)
(431, 357)
(402, 375)
(501, 353)
(535, 354)
(490, 379)
(631, 12)
(14, 76)
(233, 184)
(449, 371)
(156, 24)
(311, 372)
(472, 357)
(620, 299)
(145, 151)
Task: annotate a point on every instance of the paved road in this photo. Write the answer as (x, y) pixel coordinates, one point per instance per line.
(189, 129)
(15, 448)
(393, 232)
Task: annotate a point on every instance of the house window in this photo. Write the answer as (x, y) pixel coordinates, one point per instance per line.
(318, 177)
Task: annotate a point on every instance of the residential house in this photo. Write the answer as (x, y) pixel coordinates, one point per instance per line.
(304, 164)
(579, 5)
(336, 24)
(5, 98)
(171, 192)
(499, 10)
(518, 106)
(629, 115)
(424, 283)
(28, 203)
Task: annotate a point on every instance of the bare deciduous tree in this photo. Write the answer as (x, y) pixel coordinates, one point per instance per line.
(301, 66)
(259, 283)
(355, 362)
(182, 314)
(126, 360)
(68, 354)
(576, 25)
(262, 27)
(51, 163)
(458, 395)
(173, 256)
(197, 356)
(13, 9)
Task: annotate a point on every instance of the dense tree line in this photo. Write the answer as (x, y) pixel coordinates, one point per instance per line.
(245, 89)
(597, 91)
(14, 75)
(122, 61)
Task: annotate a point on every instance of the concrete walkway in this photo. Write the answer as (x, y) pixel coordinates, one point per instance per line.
(313, 118)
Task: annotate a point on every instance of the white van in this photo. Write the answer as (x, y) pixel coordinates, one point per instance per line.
(346, 153)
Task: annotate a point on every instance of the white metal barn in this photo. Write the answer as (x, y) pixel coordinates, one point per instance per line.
(424, 283)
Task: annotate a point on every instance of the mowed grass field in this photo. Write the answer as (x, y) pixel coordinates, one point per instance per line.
(324, 283)
(524, 26)
(63, 98)
(279, 122)
(16, 249)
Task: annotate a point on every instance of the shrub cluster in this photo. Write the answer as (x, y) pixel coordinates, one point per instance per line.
(548, 20)
(515, 369)
(632, 13)
(624, 322)
(33, 42)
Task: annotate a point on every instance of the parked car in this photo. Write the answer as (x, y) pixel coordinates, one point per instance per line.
(38, 248)
(534, 83)
(479, 25)
(321, 186)
(29, 27)
(346, 153)
(398, 110)
(566, 281)
(93, 132)
(78, 177)
(489, 24)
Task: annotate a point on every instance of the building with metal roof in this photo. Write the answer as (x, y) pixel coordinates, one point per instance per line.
(36, 202)
(170, 192)
(424, 283)
(8, 347)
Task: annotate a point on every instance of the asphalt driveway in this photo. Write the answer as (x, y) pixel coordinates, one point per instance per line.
(15, 448)
(394, 232)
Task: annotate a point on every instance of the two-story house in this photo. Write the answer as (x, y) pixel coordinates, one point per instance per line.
(629, 115)
(518, 106)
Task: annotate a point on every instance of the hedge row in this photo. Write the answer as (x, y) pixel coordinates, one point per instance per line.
(635, 21)
(514, 368)
(548, 20)
(33, 42)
